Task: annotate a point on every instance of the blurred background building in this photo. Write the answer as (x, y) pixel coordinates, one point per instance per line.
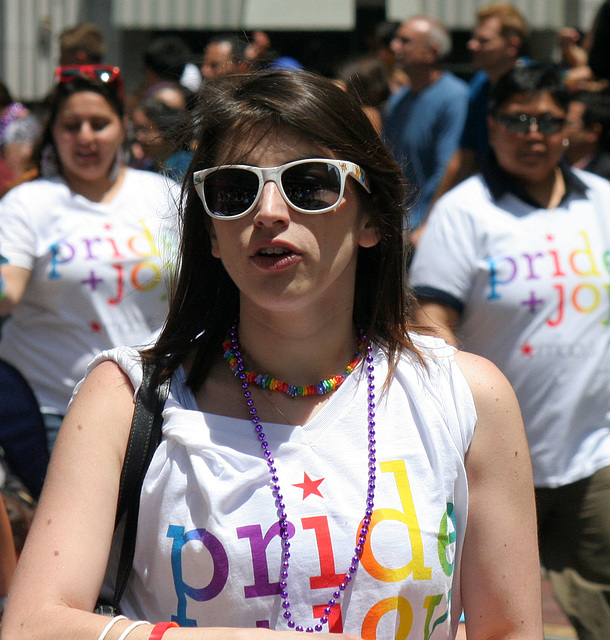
(316, 32)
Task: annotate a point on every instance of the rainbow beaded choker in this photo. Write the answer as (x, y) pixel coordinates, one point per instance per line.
(269, 382)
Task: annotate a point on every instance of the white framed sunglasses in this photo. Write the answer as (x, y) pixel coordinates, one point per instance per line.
(311, 185)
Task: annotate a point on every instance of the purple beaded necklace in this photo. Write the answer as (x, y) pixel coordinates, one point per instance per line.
(279, 498)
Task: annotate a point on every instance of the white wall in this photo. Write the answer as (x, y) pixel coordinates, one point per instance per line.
(460, 14)
(30, 31)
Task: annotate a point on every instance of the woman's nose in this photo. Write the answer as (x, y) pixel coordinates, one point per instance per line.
(272, 208)
(533, 129)
(85, 132)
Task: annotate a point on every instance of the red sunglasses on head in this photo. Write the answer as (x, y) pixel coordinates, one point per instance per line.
(103, 72)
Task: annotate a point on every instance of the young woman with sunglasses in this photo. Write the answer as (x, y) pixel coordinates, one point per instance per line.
(323, 468)
(83, 243)
(514, 265)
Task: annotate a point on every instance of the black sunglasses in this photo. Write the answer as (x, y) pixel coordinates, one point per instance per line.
(522, 123)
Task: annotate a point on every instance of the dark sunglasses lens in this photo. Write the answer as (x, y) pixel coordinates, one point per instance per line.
(549, 126)
(229, 192)
(516, 124)
(521, 124)
(312, 186)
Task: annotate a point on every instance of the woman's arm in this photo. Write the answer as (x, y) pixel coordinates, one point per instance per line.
(13, 283)
(500, 566)
(63, 564)
(64, 559)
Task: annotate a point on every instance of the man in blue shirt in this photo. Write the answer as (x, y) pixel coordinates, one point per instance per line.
(423, 121)
(495, 45)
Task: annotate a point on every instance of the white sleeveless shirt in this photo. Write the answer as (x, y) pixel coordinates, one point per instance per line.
(208, 548)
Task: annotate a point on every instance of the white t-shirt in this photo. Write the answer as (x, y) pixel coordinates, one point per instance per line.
(98, 275)
(208, 553)
(534, 285)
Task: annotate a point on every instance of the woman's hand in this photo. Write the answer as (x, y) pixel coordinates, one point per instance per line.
(13, 283)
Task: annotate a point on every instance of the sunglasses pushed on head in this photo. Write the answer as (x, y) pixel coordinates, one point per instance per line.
(106, 73)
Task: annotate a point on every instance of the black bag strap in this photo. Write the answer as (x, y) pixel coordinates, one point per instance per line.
(144, 438)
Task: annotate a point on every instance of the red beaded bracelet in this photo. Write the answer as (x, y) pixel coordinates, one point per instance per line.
(160, 628)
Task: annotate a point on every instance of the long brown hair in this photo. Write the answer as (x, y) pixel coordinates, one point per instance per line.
(232, 109)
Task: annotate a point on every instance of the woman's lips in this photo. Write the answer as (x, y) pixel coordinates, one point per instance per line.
(275, 258)
(532, 155)
(86, 157)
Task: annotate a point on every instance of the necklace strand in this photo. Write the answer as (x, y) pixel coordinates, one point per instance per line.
(269, 382)
(240, 372)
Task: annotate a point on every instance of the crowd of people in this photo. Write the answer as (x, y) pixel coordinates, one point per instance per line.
(421, 257)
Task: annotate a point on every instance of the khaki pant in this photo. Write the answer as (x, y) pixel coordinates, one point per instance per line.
(574, 536)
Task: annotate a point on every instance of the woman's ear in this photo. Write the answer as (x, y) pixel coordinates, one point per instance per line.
(369, 234)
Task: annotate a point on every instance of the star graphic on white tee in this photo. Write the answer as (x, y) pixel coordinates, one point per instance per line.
(309, 486)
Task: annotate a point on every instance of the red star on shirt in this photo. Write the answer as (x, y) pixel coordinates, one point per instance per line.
(310, 486)
(527, 349)
(96, 327)
(550, 237)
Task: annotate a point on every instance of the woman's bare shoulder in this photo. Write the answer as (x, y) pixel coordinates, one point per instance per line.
(104, 398)
(487, 382)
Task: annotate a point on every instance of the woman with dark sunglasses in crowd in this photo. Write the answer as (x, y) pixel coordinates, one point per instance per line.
(322, 468)
(84, 244)
(514, 265)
